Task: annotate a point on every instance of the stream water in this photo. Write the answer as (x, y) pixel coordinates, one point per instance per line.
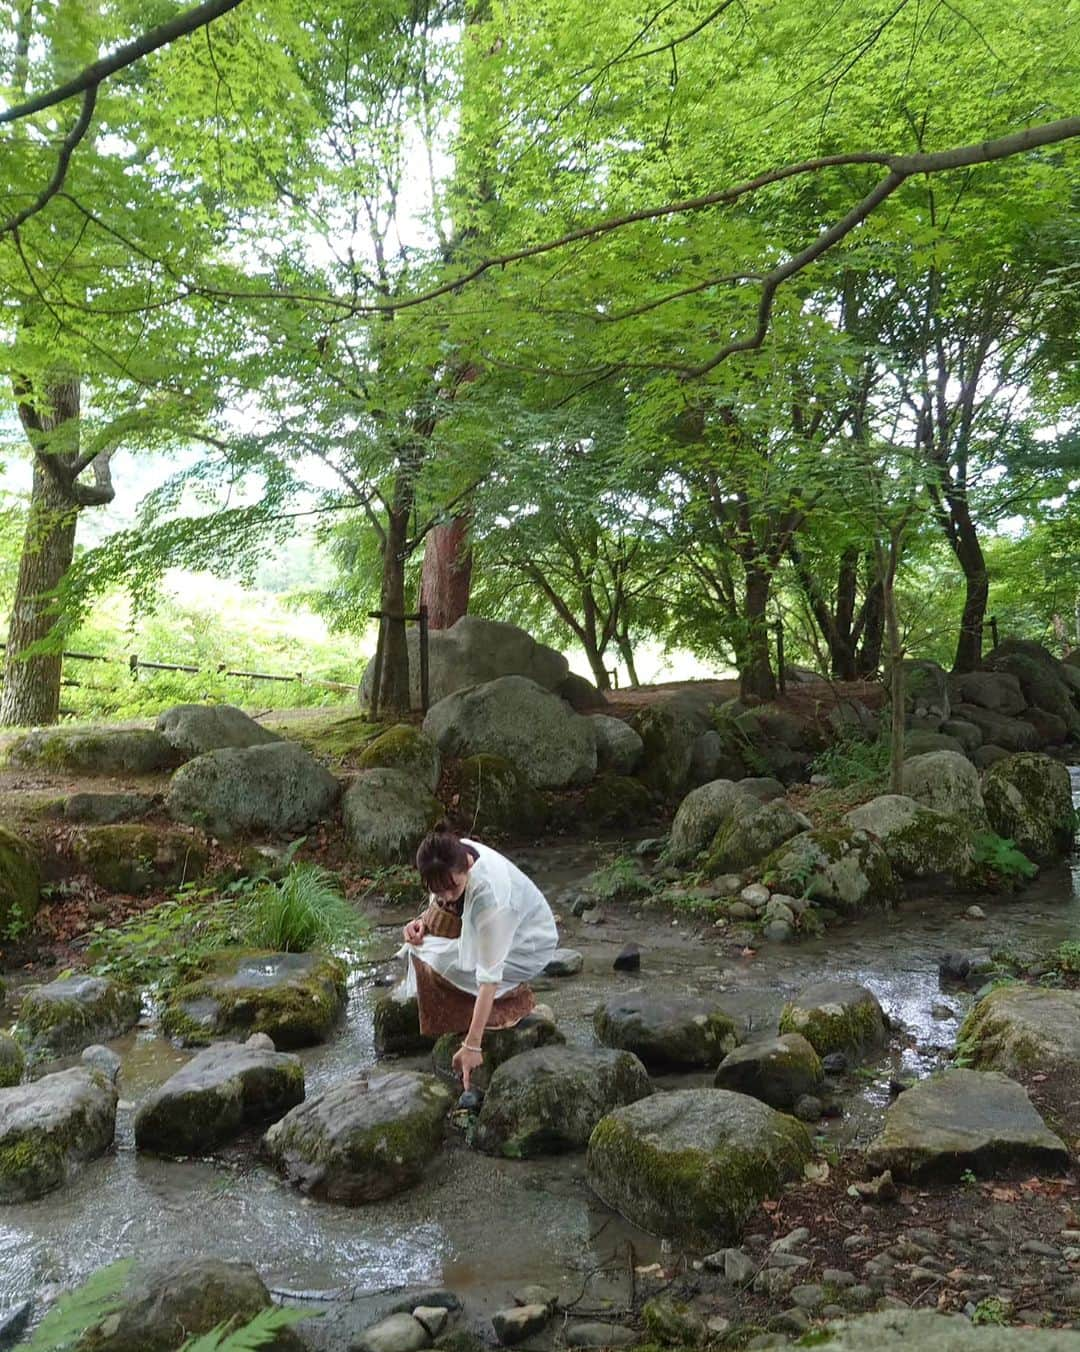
(483, 1226)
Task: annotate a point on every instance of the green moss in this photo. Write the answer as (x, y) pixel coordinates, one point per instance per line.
(617, 800)
(12, 1062)
(397, 1028)
(495, 797)
(331, 736)
(135, 859)
(856, 1026)
(20, 885)
(55, 1025)
(31, 1163)
(403, 747)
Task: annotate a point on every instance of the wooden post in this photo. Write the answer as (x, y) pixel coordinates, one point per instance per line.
(424, 672)
(994, 629)
(377, 673)
(780, 656)
(133, 666)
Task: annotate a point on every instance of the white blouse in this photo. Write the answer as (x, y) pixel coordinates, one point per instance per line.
(507, 929)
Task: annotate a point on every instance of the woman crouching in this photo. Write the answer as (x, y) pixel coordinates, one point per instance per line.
(486, 933)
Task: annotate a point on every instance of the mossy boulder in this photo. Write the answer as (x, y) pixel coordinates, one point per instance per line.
(387, 813)
(20, 884)
(50, 1127)
(496, 798)
(163, 1304)
(777, 1070)
(547, 1101)
(364, 1139)
(976, 1120)
(742, 840)
(197, 728)
(95, 751)
(218, 1094)
(667, 740)
(74, 1012)
(926, 689)
(105, 809)
(667, 1032)
(137, 859)
(619, 747)
(615, 800)
(998, 729)
(500, 1045)
(842, 867)
(12, 1061)
(1024, 1030)
(404, 747)
(948, 782)
(994, 690)
(703, 813)
(919, 841)
(275, 789)
(693, 1165)
(836, 1016)
(1039, 674)
(295, 998)
(397, 1027)
(1029, 801)
(893, 1329)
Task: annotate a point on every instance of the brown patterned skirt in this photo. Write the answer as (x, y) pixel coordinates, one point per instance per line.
(445, 1009)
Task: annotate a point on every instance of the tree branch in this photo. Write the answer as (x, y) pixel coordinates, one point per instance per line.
(67, 148)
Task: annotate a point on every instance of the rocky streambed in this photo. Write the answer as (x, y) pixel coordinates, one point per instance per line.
(482, 1227)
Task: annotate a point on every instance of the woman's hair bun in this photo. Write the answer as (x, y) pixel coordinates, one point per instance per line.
(443, 828)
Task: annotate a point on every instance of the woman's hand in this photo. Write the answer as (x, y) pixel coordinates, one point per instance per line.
(414, 931)
(465, 1062)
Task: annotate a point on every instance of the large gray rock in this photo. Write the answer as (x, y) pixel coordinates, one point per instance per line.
(548, 1101)
(164, 1303)
(778, 1070)
(294, 998)
(1029, 801)
(95, 751)
(472, 651)
(495, 797)
(667, 1032)
(50, 1127)
(218, 1094)
(694, 1164)
(741, 841)
(278, 788)
(363, 1139)
(997, 691)
(387, 813)
(836, 1016)
(1011, 734)
(407, 749)
(133, 858)
(618, 747)
(929, 1332)
(73, 1012)
(965, 1119)
(1040, 677)
(713, 757)
(967, 734)
(926, 690)
(668, 734)
(844, 868)
(919, 841)
(197, 728)
(948, 782)
(702, 813)
(105, 809)
(517, 719)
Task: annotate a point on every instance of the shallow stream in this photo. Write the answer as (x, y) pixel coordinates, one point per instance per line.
(482, 1226)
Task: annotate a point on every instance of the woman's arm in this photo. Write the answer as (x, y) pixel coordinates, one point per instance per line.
(470, 1055)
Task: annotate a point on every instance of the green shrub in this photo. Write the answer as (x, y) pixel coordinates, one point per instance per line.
(304, 910)
(850, 761)
(1002, 857)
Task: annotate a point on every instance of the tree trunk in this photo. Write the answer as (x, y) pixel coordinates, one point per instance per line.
(626, 652)
(447, 573)
(756, 678)
(887, 566)
(965, 542)
(601, 679)
(394, 692)
(873, 630)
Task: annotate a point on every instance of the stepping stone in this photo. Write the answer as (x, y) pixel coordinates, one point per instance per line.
(564, 962)
(694, 1164)
(50, 1128)
(500, 1045)
(363, 1139)
(216, 1096)
(396, 1333)
(778, 1071)
(67, 1015)
(965, 1119)
(295, 998)
(397, 1027)
(836, 1016)
(547, 1101)
(667, 1032)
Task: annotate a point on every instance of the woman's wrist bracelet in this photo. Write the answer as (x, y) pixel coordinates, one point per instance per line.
(470, 1048)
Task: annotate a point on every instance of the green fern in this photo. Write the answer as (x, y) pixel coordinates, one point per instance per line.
(75, 1312)
(1001, 856)
(258, 1332)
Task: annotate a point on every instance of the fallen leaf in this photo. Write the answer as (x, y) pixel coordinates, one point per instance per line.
(1004, 1194)
(817, 1171)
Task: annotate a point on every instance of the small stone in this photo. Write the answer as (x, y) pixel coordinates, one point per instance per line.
(432, 1317)
(860, 1295)
(728, 884)
(879, 1189)
(718, 1326)
(595, 1334)
(396, 1333)
(892, 1303)
(832, 1312)
(774, 1283)
(923, 1274)
(593, 916)
(1040, 1249)
(778, 932)
(808, 1297)
(739, 1267)
(836, 1063)
(786, 1260)
(790, 1242)
(794, 1321)
(854, 1243)
(515, 1325)
(103, 1059)
(536, 1295)
(629, 960)
(975, 913)
(740, 910)
(776, 910)
(808, 1108)
(564, 962)
(756, 895)
(940, 1010)
(838, 1277)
